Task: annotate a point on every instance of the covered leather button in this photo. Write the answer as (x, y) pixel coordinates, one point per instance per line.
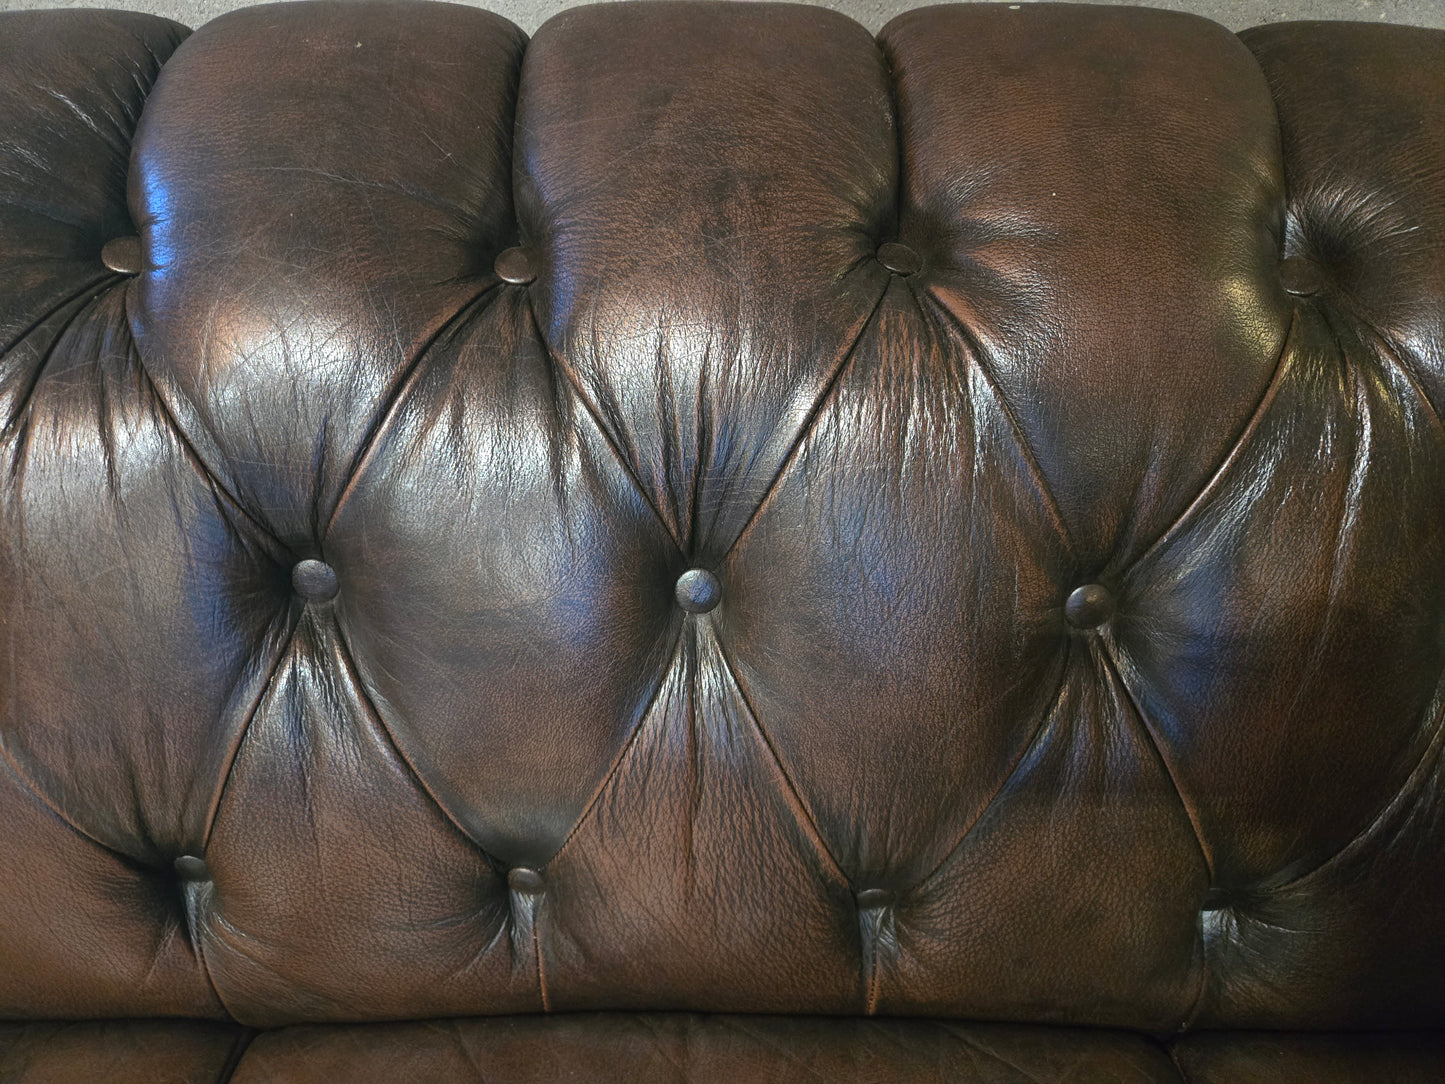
(190, 868)
(900, 259)
(698, 591)
(873, 898)
(524, 880)
(123, 255)
(315, 580)
(514, 265)
(1300, 276)
(1089, 606)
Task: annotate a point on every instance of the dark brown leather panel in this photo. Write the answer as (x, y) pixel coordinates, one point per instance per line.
(83, 932)
(113, 518)
(684, 1049)
(120, 1052)
(1354, 574)
(1356, 941)
(1362, 120)
(73, 88)
(1089, 843)
(847, 605)
(524, 620)
(948, 527)
(107, 737)
(704, 185)
(1263, 1058)
(377, 232)
(696, 860)
(674, 1048)
(1015, 718)
(1363, 589)
(334, 888)
(1137, 184)
(701, 340)
(313, 229)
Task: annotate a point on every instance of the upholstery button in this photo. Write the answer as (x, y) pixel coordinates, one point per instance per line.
(514, 265)
(872, 898)
(190, 868)
(524, 880)
(315, 581)
(123, 255)
(1089, 606)
(900, 259)
(1300, 276)
(698, 591)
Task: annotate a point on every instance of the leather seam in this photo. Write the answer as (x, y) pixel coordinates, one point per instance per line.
(800, 810)
(204, 961)
(1192, 1016)
(559, 364)
(394, 399)
(1191, 814)
(890, 72)
(703, 430)
(1396, 356)
(672, 660)
(234, 752)
(541, 967)
(975, 354)
(824, 397)
(871, 1005)
(55, 811)
(1414, 782)
(17, 426)
(1174, 1060)
(1028, 747)
(94, 287)
(227, 498)
(188, 443)
(1236, 451)
(348, 660)
(234, 1057)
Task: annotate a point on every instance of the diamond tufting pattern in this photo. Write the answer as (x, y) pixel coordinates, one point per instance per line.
(708, 510)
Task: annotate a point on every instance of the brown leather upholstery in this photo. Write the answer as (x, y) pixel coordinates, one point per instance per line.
(683, 1048)
(707, 511)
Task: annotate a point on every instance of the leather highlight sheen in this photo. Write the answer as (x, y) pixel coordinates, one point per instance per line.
(706, 511)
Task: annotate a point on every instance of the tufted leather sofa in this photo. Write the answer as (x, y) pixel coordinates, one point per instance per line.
(706, 545)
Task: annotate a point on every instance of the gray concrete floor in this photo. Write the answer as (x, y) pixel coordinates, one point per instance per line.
(530, 14)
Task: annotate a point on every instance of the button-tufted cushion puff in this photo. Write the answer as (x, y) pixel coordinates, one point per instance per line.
(707, 510)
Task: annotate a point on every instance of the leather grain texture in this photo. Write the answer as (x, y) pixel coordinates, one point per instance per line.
(682, 1048)
(947, 525)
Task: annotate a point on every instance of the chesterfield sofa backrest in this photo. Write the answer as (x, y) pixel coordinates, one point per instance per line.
(707, 510)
